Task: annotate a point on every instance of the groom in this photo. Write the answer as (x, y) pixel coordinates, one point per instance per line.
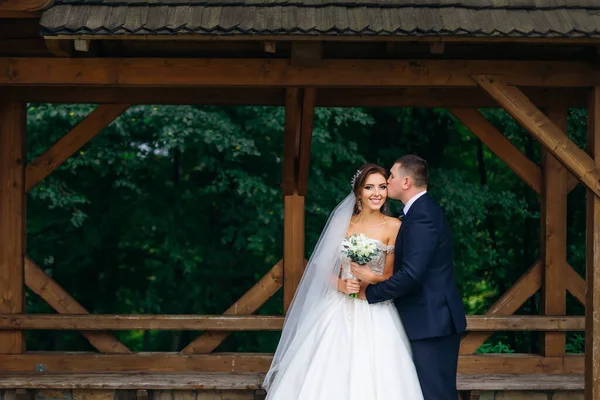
(423, 287)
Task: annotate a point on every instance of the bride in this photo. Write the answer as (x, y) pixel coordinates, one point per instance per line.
(336, 347)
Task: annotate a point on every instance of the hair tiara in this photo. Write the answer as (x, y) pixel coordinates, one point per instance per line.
(356, 175)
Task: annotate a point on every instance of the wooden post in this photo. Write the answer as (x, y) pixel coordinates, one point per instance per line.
(293, 246)
(293, 214)
(592, 292)
(553, 240)
(299, 114)
(12, 218)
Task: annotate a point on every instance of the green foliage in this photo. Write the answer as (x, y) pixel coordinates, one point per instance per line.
(177, 210)
(498, 347)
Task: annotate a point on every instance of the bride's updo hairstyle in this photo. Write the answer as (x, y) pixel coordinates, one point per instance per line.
(358, 183)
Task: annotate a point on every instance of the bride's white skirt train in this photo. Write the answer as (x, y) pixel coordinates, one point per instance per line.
(355, 351)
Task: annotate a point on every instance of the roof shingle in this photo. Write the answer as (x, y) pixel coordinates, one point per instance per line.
(471, 18)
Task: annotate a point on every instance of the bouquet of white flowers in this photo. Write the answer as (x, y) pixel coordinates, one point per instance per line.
(360, 249)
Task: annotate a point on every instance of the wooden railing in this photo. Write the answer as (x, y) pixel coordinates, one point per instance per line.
(178, 362)
(90, 322)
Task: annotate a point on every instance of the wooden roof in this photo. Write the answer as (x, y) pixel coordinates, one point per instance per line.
(418, 18)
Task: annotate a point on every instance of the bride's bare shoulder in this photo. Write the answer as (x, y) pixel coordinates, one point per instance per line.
(393, 224)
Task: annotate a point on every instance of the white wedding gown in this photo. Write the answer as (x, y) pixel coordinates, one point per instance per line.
(353, 351)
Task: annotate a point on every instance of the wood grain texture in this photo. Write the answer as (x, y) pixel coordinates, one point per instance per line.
(231, 381)
(62, 302)
(544, 130)
(82, 133)
(507, 304)
(186, 72)
(553, 239)
(592, 245)
(12, 218)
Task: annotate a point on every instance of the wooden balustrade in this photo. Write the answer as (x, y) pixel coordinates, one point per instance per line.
(90, 322)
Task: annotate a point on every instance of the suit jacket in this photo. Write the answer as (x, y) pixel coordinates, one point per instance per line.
(423, 286)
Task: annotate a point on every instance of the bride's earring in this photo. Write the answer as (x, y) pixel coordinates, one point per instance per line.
(359, 205)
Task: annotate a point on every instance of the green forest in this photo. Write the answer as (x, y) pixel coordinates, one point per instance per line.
(178, 210)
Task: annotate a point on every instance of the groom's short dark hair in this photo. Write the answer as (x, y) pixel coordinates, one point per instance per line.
(416, 167)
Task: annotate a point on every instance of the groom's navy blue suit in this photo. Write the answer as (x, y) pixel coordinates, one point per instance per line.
(426, 296)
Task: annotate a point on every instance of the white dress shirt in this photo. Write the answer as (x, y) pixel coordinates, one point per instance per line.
(412, 200)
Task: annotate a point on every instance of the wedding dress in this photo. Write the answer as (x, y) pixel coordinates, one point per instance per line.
(345, 348)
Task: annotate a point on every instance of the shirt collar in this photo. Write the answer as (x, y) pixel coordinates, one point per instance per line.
(412, 200)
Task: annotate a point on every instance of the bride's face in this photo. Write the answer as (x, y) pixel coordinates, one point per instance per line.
(374, 192)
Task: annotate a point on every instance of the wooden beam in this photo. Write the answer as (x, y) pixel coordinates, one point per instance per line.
(92, 363)
(97, 322)
(291, 143)
(61, 301)
(82, 133)
(592, 245)
(306, 131)
(24, 5)
(509, 303)
(554, 240)
(60, 48)
(185, 72)
(544, 130)
(233, 322)
(486, 323)
(575, 284)
(306, 54)
(346, 38)
(12, 217)
(141, 383)
(293, 246)
(500, 146)
(519, 364)
(225, 381)
(326, 97)
(249, 303)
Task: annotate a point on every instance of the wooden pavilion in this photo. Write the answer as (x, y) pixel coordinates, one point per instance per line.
(533, 58)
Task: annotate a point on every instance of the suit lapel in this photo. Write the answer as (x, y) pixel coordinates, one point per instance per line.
(399, 240)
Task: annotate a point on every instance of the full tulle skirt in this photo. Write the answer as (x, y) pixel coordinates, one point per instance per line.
(353, 351)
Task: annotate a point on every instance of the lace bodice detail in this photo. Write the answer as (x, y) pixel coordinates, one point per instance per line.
(377, 265)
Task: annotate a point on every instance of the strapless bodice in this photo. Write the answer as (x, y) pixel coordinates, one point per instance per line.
(377, 265)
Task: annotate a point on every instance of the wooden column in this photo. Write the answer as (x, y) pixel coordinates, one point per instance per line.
(592, 292)
(293, 246)
(299, 114)
(554, 240)
(12, 218)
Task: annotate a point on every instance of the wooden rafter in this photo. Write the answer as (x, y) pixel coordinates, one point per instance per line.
(543, 129)
(553, 240)
(187, 72)
(247, 304)
(500, 146)
(83, 363)
(510, 302)
(12, 217)
(592, 292)
(472, 97)
(82, 133)
(62, 302)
